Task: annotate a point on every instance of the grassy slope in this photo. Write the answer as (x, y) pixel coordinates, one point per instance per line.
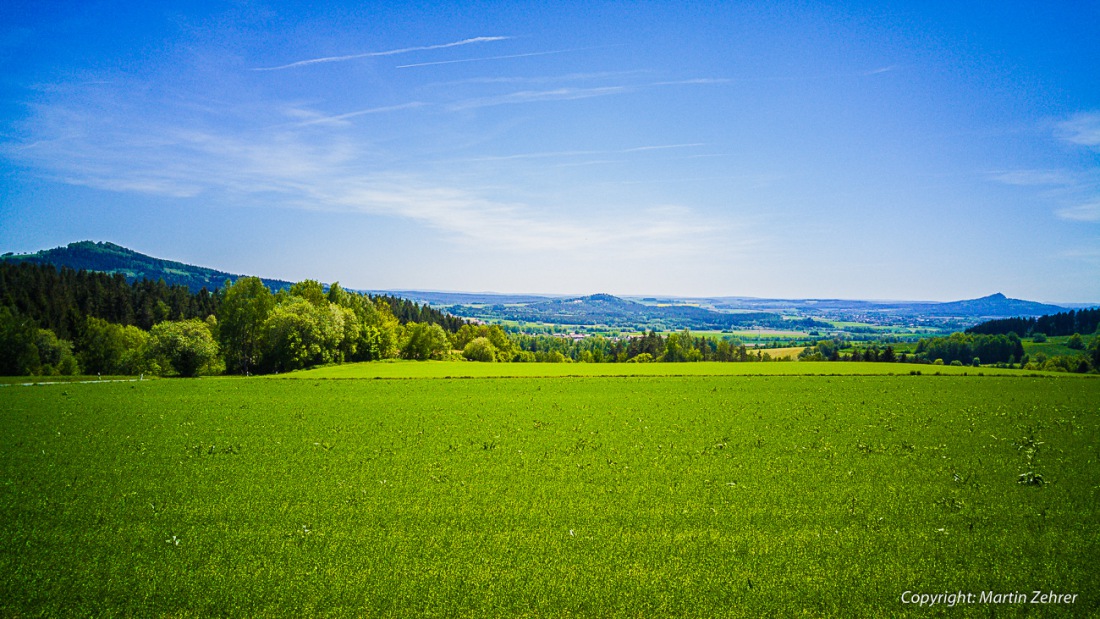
(1053, 346)
(465, 369)
(648, 496)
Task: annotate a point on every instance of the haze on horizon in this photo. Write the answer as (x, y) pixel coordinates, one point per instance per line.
(935, 152)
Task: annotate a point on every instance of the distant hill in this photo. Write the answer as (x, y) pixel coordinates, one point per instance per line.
(465, 298)
(612, 311)
(110, 258)
(994, 306)
(972, 310)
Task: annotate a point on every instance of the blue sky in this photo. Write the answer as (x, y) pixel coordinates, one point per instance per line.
(789, 149)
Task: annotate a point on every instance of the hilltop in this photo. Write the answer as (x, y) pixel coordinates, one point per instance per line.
(107, 257)
(993, 305)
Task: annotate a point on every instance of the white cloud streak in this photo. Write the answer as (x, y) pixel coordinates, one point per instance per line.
(1028, 178)
(506, 57)
(535, 96)
(569, 93)
(1082, 129)
(879, 71)
(1089, 212)
(694, 82)
(586, 153)
(542, 79)
(392, 52)
(342, 118)
(111, 142)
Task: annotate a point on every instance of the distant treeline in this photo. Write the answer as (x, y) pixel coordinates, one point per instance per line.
(681, 346)
(1063, 323)
(409, 311)
(965, 349)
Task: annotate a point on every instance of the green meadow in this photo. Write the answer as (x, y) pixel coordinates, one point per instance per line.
(1055, 345)
(710, 495)
(467, 369)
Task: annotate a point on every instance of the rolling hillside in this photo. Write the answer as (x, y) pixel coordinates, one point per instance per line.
(110, 258)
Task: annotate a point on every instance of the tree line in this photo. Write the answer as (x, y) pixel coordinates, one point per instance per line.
(965, 349)
(1062, 323)
(956, 349)
(676, 347)
(62, 299)
(61, 321)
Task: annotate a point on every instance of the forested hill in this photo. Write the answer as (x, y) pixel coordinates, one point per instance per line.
(109, 258)
(1082, 321)
(62, 299)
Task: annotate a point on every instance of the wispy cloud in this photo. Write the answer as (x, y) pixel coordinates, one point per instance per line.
(113, 142)
(1081, 212)
(392, 52)
(694, 81)
(638, 149)
(542, 79)
(1084, 254)
(1074, 195)
(342, 118)
(569, 93)
(533, 96)
(575, 153)
(504, 57)
(1032, 177)
(880, 70)
(1083, 129)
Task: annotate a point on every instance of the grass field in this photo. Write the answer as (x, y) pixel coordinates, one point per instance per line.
(650, 496)
(1055, 345)
(468, 369)
(46, 380)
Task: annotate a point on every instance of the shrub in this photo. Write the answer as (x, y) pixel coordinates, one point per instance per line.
(480, 349)
(187, 346)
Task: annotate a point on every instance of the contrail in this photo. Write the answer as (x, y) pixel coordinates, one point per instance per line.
(373, 110)
(392, 52)
(879, 70)
(527, 55)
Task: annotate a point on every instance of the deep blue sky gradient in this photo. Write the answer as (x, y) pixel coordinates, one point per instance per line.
(930, 151)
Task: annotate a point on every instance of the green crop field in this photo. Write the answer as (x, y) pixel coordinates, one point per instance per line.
(469, 369)
(1055, 345)
(629, 496)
